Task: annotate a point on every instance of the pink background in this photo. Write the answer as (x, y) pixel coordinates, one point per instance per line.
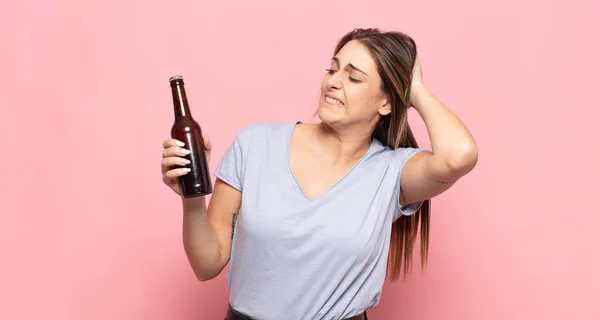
(90, 232)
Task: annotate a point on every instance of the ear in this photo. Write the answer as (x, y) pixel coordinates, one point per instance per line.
(385, 108)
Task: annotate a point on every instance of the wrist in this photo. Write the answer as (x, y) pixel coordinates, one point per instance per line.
(193, 205)
(418, 93)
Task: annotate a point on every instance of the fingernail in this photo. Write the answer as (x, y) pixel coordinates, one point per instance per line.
(185, 161)
(179, 143)
(186, 169)
(186, 151)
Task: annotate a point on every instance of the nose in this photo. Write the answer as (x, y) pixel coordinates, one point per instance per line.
(334, 81)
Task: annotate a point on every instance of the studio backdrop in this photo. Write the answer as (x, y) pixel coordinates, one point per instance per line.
(90, 232)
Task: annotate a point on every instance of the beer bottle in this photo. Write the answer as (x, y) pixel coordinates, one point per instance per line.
(197, 182)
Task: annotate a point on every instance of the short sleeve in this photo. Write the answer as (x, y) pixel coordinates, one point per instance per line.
(231, 167)
(401, 156)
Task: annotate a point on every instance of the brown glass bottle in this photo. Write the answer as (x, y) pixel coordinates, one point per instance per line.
(197, 182)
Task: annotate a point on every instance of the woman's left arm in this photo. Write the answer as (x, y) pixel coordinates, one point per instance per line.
(454, 151)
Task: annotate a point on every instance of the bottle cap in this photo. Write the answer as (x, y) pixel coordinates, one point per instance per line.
(173, 78)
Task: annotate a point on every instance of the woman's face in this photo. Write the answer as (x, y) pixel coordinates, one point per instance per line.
(351, 89)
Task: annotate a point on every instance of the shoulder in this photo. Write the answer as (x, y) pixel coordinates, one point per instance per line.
(263, 128)
(263, 131)
(403, 154)
(395, 158)
(378, 150)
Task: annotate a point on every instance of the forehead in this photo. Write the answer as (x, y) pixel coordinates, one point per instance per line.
(357, 54)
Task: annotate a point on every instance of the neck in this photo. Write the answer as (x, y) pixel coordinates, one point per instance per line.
(349, 143)
(180, 103)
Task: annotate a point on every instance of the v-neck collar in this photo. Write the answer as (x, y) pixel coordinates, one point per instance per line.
(293, 176)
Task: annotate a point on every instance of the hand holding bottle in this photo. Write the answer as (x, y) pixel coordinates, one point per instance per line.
(174, 164)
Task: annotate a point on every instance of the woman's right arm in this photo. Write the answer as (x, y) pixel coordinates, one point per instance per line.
(207, 234)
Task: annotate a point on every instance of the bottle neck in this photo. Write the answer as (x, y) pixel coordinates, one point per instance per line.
(180, 103)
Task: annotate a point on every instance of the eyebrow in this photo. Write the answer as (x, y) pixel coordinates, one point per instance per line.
(349, 65)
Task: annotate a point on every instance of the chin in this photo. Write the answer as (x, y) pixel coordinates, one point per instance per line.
(329, 116)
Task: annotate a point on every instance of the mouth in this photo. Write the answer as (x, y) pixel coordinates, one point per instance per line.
(333, 101)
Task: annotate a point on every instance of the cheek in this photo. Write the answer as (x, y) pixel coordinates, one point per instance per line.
(362, 101)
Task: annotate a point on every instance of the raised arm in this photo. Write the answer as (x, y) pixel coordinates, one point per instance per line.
(454, 151)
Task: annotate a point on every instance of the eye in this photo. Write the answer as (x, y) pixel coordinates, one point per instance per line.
(331, 71)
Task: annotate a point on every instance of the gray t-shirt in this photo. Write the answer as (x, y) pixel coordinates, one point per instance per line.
(299, 258)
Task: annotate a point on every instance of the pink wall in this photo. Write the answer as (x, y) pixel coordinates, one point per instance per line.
(90, 232)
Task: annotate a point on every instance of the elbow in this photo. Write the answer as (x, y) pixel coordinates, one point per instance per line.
(204, 276)
(204, 270)
(463, 160)
(205, 266)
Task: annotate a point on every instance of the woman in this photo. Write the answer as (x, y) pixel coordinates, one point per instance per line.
(323, 207)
